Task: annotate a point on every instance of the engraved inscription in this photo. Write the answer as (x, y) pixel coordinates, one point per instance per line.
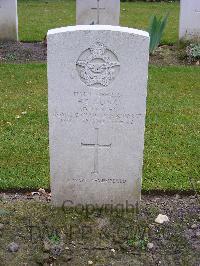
(97, 102)
(98, 66)
(110, 180)
(97, 108)
(101, 180)
(93, 118)
(96, 147)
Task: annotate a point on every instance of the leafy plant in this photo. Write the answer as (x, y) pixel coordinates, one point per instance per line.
(11, 56)
(193, 52)
(54, 238)
(137, 242)
(3, 212)
(156, 29)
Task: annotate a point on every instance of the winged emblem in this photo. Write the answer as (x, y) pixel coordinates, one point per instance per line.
(97, 68)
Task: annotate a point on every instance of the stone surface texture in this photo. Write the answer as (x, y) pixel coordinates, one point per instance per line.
(189, 27)
(13, 247)
(8, 20)
(161, 219)
(104, 12)
(97, 87)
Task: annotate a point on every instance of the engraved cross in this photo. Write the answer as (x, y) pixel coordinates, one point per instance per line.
(98, 8)
(96, 147)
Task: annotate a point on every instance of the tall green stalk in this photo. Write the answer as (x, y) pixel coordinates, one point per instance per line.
(156, 29)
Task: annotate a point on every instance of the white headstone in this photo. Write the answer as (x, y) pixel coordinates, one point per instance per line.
(104, 12)
(97, 83)
(189, 19)
(8, 20)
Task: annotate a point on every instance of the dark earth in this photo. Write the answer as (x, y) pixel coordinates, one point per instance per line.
(21, 52)
(82, 236)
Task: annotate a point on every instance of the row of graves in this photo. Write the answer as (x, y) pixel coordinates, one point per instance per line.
(103, 12)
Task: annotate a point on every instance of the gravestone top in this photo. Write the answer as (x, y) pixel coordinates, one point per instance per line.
(97, 87)
(94, 12)
(98, 28)
(8, 20)
(189, 27)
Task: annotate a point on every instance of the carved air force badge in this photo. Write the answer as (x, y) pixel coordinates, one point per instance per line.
(98, 66)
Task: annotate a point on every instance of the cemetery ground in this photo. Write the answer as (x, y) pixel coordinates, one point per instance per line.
(32, 32)
(44, 235)
(134, 15)
(47, 235)
(25, 52)
(171, 139)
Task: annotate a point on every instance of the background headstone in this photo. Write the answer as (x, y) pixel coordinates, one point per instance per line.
(189, 19)
(97, 82)
(8, 20)
(104, 12)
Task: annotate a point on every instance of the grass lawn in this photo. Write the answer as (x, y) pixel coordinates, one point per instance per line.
(37, 16)
(171, 143)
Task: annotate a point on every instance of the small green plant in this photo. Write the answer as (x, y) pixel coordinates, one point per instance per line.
(156, 29)
(11, 57)
(138, 243)
(193, 52)
(54, 238)
(140, 237)
(3, 212)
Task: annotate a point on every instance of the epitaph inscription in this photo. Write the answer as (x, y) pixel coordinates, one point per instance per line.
(101, 180)
(98, 66)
